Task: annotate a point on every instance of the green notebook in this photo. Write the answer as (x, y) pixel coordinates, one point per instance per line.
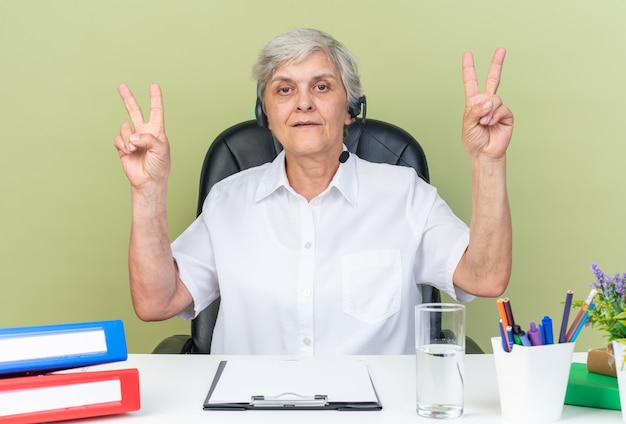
(585, 388)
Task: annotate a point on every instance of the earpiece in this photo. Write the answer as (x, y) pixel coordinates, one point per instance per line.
(261, 119)
(354, 109)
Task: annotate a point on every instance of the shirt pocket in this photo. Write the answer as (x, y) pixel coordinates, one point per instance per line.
(371, 284)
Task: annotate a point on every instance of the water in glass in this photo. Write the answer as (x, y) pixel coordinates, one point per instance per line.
(444, 364)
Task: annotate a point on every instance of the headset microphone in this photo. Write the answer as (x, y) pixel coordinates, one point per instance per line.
(343, 157)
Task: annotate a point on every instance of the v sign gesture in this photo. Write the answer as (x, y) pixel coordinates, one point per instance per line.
(143, 146)
(487, 122)
(156, 289)
(485, 268)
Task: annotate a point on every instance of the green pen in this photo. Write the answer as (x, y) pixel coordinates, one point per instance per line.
(517, 333)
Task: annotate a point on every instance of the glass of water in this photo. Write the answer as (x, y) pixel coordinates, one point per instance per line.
(440, 352)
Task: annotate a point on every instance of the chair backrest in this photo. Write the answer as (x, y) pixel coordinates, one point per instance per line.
(246, 144)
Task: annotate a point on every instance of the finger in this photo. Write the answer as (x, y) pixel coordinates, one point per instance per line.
(470, 82)
(495, 71)
(126, 130)
(502, 115)
(132, 107)
(156, 106)
(141, 141)
(123, 140)
(123, 148)
(488, 109)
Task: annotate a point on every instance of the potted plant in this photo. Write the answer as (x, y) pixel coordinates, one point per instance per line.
(608, 314)
(609, 311)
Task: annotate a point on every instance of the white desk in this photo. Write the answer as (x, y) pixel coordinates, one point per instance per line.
(173, 388)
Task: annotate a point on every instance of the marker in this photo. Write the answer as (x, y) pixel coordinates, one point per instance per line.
(525, 340)
(520, 336)
(534, 335)
(517, 332)
(546, 324)
(566, 309)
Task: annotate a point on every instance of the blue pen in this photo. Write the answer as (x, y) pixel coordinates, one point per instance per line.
(505, 346)
(542, 334)
(546, 323)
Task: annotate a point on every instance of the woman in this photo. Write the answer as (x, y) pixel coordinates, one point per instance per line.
(310, 281)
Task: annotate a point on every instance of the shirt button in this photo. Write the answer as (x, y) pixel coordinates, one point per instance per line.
(306, 292)
(306, 341)
(308, 245)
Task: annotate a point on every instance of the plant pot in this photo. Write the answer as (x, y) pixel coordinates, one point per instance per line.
(619, 351)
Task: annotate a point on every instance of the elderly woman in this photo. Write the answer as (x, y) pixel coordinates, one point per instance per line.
(278, 242)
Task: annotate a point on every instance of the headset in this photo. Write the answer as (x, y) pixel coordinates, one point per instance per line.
(355, 109)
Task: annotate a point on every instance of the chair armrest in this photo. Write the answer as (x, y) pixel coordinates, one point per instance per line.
(471, 346)
(183, 343)
(179, 343)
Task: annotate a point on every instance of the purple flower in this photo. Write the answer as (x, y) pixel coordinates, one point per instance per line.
(608, 286)
(602, 282)
(597, 271)
(620, 284)
(609, 303)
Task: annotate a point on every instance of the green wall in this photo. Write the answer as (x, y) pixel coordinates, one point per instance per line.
(65, 200)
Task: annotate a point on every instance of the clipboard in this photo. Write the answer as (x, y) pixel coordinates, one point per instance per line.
(282, 384)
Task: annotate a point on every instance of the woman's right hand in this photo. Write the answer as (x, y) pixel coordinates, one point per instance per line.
(143, 146)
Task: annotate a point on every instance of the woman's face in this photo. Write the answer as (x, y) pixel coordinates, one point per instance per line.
(305, 104)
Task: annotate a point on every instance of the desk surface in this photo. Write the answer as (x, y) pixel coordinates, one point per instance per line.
(173, 388)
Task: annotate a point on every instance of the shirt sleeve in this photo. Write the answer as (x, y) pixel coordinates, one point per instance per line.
(196, 266)
(443, 241)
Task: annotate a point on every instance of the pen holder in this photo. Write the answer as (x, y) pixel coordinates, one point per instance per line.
(532, 380)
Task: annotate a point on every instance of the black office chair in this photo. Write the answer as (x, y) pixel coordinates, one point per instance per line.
(245, 145)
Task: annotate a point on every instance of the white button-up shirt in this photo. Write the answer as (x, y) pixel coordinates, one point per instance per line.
(336, 275)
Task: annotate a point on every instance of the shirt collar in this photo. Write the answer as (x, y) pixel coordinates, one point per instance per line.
(275, 176)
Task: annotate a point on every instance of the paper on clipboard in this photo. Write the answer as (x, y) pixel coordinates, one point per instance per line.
(345, 384)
